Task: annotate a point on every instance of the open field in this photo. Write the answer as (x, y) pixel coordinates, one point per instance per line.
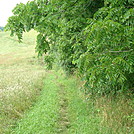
(21, 77)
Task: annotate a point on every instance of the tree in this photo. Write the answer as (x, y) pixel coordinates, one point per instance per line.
(95, 37)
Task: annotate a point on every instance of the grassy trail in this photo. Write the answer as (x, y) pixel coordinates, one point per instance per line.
(63, 121)
(59, 110)
(42, 117)
(49, 115)
(63, 109)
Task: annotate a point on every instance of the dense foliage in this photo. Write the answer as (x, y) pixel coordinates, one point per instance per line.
(94, 37)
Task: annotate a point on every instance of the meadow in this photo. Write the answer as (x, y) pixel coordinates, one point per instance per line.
(21, 76)
(34, 100)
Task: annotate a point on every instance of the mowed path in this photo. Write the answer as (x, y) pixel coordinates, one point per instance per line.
(60, 109)
(50, 115)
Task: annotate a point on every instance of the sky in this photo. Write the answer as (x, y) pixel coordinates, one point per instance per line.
(6, 7)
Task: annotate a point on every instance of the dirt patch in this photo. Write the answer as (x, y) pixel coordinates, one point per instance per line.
(8, 58)
(64, 123)
(5, 58)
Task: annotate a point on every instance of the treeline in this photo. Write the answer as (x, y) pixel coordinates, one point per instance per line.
(1, 28)
(92, 37)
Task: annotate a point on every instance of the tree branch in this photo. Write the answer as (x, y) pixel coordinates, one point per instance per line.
(121, 51)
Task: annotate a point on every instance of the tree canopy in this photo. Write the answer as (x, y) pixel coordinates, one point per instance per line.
(94, 37)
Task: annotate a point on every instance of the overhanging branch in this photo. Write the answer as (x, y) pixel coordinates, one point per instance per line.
(121, 51)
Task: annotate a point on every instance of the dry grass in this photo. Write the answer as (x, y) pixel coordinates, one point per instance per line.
(21, 78)
(116, 114)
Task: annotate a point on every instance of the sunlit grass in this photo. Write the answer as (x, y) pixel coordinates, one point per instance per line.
(21, 78)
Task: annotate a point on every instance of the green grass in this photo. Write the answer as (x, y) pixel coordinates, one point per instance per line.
(35, 101)
(82, 115)
(42, 118)
(21, 78)
(50, 115)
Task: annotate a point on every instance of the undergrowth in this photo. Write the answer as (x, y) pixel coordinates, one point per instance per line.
(116, 113)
